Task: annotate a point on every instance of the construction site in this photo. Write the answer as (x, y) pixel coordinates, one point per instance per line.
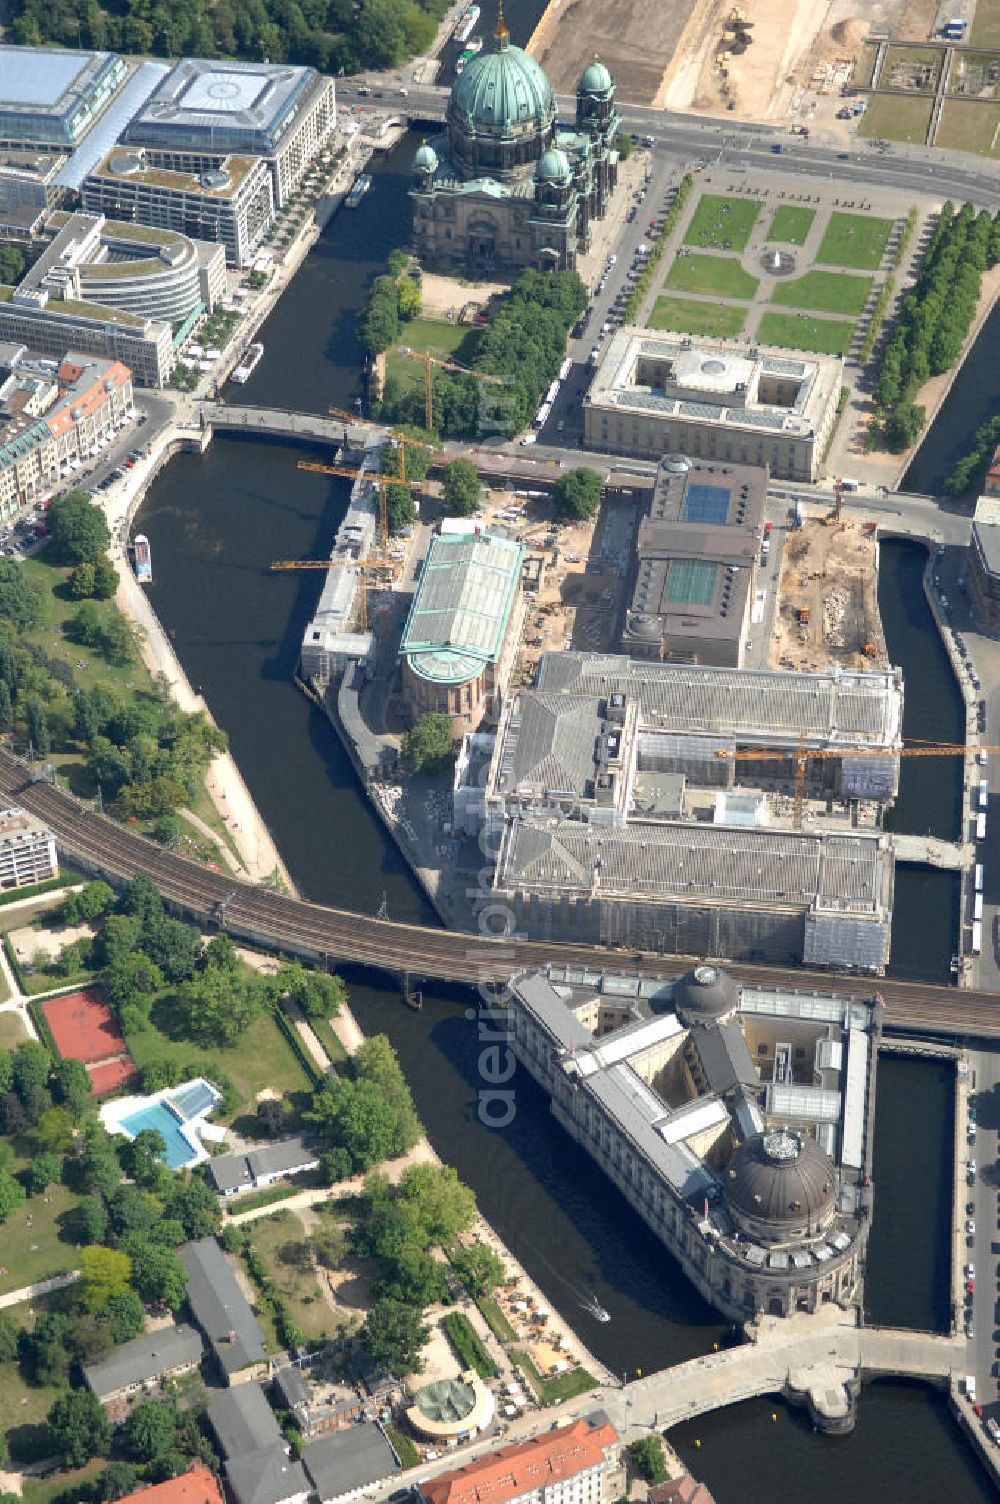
(827, 614)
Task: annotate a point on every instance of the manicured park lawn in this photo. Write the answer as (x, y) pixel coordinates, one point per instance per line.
(986, 24)
(301, 1289)
(827, 292)
(721, 276)
(796, 331)
(790, 224)
(897, 117)
(854, 239)
(260, 1057)
(41, 1490)
(11, 1028)
(439, 336)
(30, 1254)
(722, 222)
(691, 316)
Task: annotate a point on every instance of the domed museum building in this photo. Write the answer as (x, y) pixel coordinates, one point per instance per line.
(504, 187)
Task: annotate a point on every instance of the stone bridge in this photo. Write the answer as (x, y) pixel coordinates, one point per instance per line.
(812, 1361)
(276, 422)
(954, 855)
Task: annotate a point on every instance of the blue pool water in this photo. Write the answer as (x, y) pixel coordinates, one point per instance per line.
(158, 1116)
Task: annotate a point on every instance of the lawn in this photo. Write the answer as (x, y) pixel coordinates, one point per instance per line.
(865, 69)
(724, 223)
(827, 292)
(897, 117)
(323, 1030)
(722, 276)
(967, 126)
(300, 1289)
(21, 1403)
(564, 1386)
(41, 1490)
(791, 225)
(440, 337)
(32, 1253)
(690, 316)
(854, 240)
(12, 1030)
(260, 1057)
(986, 24)
(796, 331)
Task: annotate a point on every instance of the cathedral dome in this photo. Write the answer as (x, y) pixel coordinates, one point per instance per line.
(595, 79)
(553, 166)
(502, 91)
(425, 158)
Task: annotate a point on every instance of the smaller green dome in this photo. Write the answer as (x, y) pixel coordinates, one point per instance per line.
(425, 158)
(553, 166)
(595, 79)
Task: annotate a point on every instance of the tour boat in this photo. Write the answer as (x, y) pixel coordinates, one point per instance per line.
(143, 559)
(249, 363)
(359, 189)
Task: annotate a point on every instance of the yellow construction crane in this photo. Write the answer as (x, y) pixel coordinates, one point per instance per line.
(399, 440)
(363, 566)
(352, 473)
(801, 755)
(430, 360)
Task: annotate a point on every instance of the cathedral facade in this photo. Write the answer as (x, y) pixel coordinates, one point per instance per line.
(504, 187)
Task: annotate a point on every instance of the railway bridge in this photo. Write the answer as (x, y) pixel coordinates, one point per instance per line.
(316, 932)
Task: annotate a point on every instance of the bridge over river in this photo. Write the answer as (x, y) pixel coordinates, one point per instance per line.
(278, 922)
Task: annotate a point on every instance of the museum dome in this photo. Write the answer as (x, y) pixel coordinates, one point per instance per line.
(705, 995)
(595, 79)
(783, 1178)
(553, 166)
(502, 90)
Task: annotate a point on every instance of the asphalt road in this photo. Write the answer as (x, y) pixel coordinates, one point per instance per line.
(984, 1196)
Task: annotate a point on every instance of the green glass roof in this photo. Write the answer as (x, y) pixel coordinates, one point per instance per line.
(460, 612)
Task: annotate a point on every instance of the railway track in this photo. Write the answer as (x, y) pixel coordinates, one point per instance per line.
(278, 922)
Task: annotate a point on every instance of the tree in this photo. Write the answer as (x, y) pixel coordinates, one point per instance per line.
(151, 1430)
(623, 145)
(393, 1336)
(9, 1331)
(78, 528)
(195, 1206)
(217, 1007)
(133, 1211)
(903, 426)
(44, 1170)
(143, 1157)
(272, 1116)
(429, 744)
(399, 507)
(104, 1273)
(11, 265)
(159, 1276)
(105, 579)
(408, 299)
(577, 494)
(318, 993)
(71, 1086)
(11, 1195)
(54, 1131)
(141, 899)
(439, 1205)
(18, 600)
(119, 937)
(329, 1245)
(45, 1351)
(100, 1171)
(647, 1460)
(118, 1480)
(78, 1427)
(413, 1278)
(130, 982)
(90, 903)
(355, 1117)
(127, 1316)
(81, 582)
(462, 488)
(90, 1220)
(173, 946)
(479, 1269)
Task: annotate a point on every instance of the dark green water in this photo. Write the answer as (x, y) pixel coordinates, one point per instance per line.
(215, 523)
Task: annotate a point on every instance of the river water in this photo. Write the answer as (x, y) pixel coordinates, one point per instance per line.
(215, 523)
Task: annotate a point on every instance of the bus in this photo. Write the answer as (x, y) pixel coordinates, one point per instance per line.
(979, 877)
(543, 414)
(565, 369)
(977, 937)
(552, 393)
(977, 908)
(980, 827)
(984, 794)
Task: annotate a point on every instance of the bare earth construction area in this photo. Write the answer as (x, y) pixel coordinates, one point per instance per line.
(635, 39)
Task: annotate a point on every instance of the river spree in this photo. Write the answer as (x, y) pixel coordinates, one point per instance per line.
(215, 523)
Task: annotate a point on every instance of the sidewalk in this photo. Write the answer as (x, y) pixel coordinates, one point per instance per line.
(44, 1287)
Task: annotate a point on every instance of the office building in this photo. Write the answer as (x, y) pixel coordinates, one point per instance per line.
(207, 110)
(231, 204)
(655, 394)
(982, 567)
(52, 96)
(29, 181)
(27, 850)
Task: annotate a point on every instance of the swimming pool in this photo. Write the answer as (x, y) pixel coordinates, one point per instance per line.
(179, 1151)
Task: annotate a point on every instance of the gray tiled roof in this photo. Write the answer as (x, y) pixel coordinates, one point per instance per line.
(266, 1476)
(343, 1461)
(229, 1172)
(242, 1420)
(285, 1155)
(551, 744)
(219, 1306)
(144, 1358)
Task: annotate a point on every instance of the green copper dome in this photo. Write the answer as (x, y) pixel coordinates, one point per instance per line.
(553, 165)
(502, 90)
(595, 79)
(425, 158)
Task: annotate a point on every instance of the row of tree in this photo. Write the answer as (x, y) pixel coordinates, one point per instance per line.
(335, 36)
(394, 299)
(934, 318)
(973, 466)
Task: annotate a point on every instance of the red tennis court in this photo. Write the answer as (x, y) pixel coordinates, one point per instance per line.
(84, 1028)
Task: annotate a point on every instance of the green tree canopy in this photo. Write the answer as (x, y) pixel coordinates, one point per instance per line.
(158, 1275)
(11, 1195)
(647, 1460)
(438, 1203)
(104, 1273)
(429, 744)
(18, 600)
(78, 528)
(577, 494)
(479, 1269)
(317, 993)
(79, 1428)
(393, 1336)
(71, 1086)
(462, 488)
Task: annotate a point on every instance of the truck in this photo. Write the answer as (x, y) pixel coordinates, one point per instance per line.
(977, 911)
(970, 1388)
(803, 615)
(954, 29)
(980, 875)
(777, 148)
(984, 794)
(980, 827)
(799, 517)
(977, 938)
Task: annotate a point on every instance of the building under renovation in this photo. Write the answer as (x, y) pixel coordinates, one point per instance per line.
(655, 806)
(737, 1122)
